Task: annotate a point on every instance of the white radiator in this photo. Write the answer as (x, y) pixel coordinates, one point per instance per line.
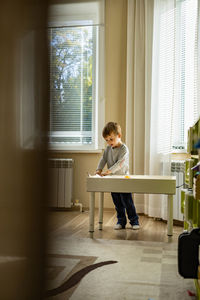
(60, 173)
(178, 170)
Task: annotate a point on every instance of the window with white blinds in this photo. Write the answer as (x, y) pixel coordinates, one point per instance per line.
(75, 37)
(178, 68)
(186, 102)
(165, 72)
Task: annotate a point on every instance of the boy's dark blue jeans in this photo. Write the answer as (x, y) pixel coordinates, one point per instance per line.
(124, 204)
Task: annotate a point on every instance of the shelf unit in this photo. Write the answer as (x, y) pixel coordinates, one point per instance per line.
(190, 200)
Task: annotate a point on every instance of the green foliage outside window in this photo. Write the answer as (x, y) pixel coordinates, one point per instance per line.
(72, 59)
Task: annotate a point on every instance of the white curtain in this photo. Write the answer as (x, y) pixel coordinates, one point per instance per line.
(145, 89)
(162, 101)
(163, 69)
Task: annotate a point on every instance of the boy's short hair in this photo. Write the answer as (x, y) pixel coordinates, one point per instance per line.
(111, 127)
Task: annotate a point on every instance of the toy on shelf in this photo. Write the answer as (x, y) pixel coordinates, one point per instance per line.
(189, 240)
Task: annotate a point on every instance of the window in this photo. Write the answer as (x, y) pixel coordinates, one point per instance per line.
(177, 58)
(186, 103)
(76, 71)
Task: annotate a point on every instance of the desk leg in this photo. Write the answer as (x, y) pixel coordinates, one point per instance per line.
(101, 198)
(91, 211)
(170, 215)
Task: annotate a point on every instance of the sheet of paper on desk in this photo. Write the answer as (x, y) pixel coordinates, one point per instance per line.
(109, 176)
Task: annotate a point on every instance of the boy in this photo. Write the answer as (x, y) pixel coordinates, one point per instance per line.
(116, 156)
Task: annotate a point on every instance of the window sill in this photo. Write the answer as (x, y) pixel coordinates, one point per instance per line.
(179, 151)
(75, 151)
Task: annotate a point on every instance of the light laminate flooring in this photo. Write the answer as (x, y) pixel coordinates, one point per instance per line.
(75, 224)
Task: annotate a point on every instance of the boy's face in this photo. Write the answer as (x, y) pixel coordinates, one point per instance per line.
(113, 140)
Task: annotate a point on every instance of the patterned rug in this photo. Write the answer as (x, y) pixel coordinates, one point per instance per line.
(87, 269)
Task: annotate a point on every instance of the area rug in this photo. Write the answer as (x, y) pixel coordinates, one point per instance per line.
(84, 269)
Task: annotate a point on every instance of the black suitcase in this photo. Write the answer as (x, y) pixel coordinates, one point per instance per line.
(188, 253)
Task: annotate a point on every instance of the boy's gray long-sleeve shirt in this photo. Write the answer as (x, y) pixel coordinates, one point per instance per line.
(117, 160)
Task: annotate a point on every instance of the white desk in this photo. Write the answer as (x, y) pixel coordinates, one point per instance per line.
(139, 184)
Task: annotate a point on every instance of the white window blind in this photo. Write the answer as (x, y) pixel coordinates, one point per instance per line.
(76, 66)
(166, 74)
(186, 101)
(177, 60)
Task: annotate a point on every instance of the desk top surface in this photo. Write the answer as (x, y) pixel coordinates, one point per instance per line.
(140, 177)
(146, 184)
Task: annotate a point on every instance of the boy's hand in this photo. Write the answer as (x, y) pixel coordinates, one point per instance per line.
(98, 172)
(106, 173)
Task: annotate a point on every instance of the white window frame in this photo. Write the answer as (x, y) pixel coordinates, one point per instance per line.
(181, 148)
(98, 117)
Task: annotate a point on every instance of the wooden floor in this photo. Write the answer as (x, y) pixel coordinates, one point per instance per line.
(75, 224)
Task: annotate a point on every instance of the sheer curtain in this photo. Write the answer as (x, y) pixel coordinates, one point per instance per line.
(159, 71)
(162, 101)
(144, 127)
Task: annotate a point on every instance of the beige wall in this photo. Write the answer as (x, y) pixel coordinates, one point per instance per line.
(116, 20)
(115, 90)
